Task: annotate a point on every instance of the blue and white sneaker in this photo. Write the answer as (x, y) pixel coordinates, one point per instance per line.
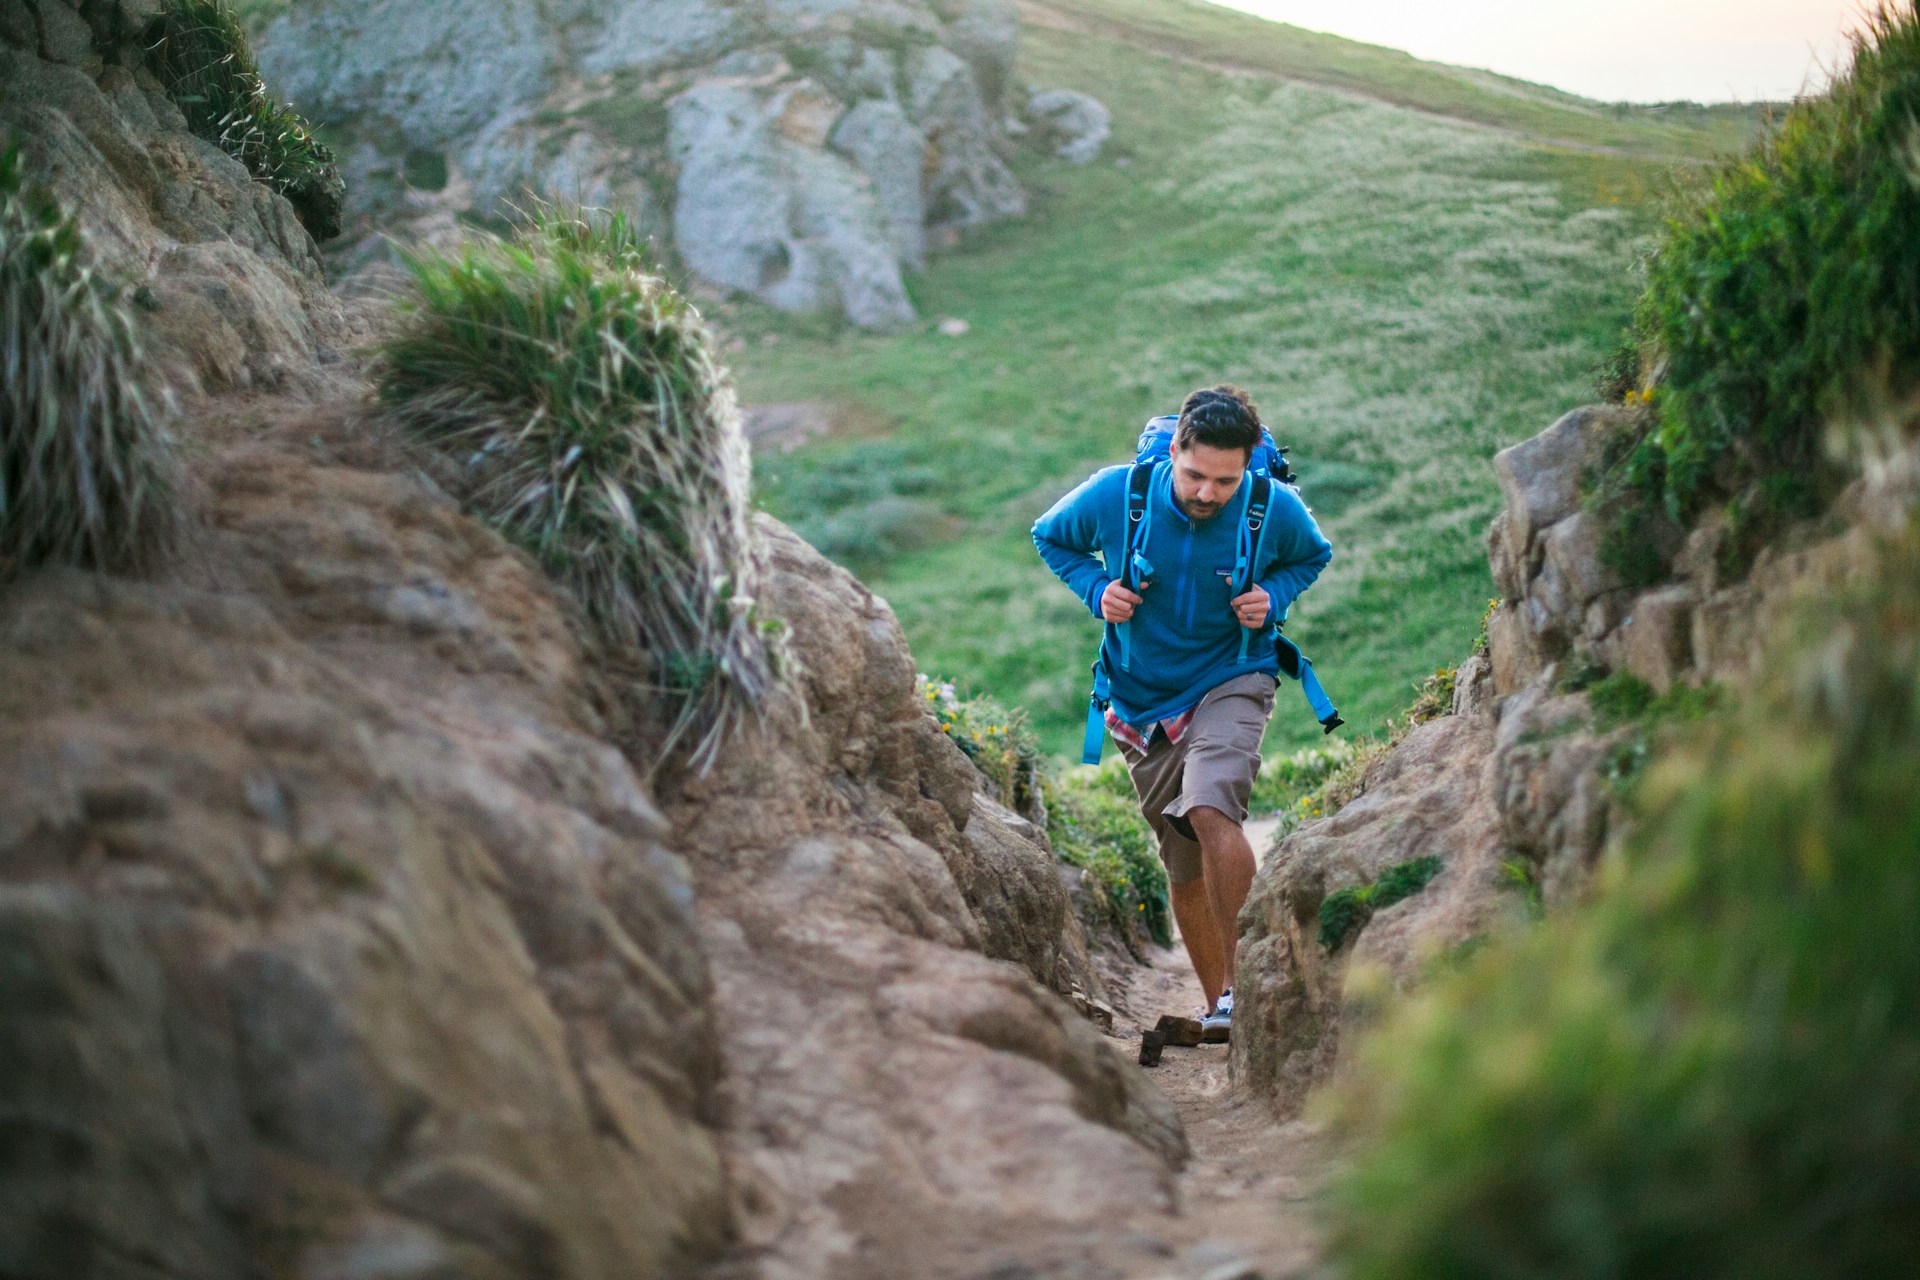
(1217, 1026)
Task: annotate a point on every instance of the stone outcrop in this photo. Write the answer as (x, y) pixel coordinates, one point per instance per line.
(1562, 604)
(229, 282)
(1515, 791)
(799, 152)
(326, 893)
(1434, 795)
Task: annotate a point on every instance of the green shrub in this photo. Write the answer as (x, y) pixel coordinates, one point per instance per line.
(995, 739)
(1709, 1071)
(201, 54)
(1092, 817)
(1624, 698)
(86, 468)
(1095, 824)
(1785, 290)
(1345, 910)
(1619, 698)
(579, 400)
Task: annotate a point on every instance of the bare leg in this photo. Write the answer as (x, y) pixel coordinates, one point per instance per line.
(1227, 867)
(1193, 909)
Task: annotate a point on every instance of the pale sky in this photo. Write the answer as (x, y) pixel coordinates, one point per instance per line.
(1613, 50)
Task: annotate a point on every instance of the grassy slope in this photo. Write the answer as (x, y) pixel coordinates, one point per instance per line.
(1404, 295)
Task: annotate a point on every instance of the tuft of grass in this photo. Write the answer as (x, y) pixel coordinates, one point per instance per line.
(86, 465)
(200, 51)
(580, 401)
(1344, 911)
(1787, 293)
(1624, 698)
(1708, 1070)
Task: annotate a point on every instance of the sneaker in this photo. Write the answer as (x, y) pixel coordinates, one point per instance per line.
(1217, 1026)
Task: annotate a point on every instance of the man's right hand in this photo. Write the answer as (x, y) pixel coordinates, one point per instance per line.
(1117, 603)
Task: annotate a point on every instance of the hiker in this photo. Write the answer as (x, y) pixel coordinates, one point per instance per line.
(1191, 654)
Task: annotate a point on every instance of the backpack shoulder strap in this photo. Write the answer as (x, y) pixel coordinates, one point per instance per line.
(1139, 489)
(1259, 501)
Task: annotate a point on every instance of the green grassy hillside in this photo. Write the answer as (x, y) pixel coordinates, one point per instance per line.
(1404, 293)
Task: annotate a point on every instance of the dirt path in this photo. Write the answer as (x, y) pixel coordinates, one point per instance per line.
(1246, 1197)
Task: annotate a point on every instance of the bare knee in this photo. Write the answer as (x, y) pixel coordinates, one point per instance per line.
(1209, 823)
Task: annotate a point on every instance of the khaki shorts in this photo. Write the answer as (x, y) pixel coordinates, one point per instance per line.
(1213, 766)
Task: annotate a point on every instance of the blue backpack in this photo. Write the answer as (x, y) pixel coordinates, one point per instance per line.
(1266, 468)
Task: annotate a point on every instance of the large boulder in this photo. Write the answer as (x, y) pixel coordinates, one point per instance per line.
(1077, 125)
(798, 151)
(1432, 796)
(338, 940)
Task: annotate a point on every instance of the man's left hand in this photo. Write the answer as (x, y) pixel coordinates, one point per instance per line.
(1252, 608)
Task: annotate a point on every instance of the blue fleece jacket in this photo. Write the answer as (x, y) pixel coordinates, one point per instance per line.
(1185, 638)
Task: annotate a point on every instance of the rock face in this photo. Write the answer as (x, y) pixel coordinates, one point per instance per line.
(233, 290)
(898, 1091)
(339, 941)
(797, 151)
(1513, 791)
(1435, 795)
(326, 893)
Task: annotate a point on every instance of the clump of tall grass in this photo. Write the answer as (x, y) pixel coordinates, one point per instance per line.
(200, 51)
(579, 400)
(1708, 1072)
(86, 467)
(1785, 292)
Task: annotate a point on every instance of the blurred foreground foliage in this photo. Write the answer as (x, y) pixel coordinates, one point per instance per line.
(1709, 1070)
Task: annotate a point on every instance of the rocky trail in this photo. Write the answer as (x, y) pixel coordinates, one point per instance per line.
(352, 931)
(1246, 1194)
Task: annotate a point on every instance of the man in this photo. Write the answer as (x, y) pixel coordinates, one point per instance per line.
(1189, 700)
